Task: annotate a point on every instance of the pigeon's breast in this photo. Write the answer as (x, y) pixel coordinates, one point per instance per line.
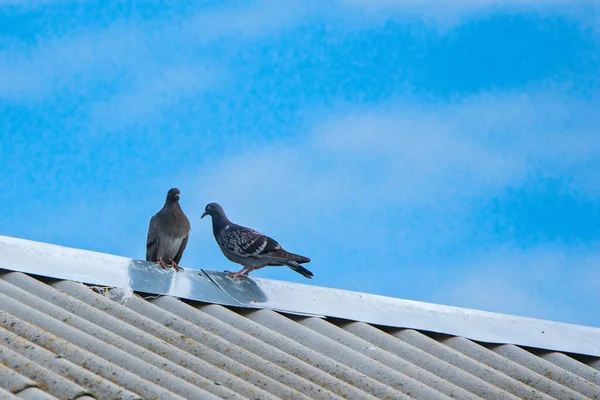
(170, 245)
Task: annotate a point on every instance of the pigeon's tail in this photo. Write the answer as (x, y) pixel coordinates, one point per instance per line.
(299, 259)
(300, 269)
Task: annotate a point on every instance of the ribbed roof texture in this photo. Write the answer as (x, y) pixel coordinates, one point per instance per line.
(62, 340)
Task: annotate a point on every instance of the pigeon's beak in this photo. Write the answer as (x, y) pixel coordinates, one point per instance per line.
(177, 197)
(204, 214)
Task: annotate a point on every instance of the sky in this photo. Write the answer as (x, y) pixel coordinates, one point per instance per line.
(445, 153)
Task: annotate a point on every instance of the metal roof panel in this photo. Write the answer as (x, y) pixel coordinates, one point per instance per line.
(255, 339)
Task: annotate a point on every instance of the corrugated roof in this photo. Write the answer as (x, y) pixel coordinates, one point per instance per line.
(61, 339)
(292, 298)
(260, 339)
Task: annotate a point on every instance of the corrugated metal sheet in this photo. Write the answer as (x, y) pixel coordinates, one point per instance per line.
(95, 268)
(62, 340)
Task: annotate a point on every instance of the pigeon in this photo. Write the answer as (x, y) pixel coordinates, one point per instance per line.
(168, 233)
(250, 248)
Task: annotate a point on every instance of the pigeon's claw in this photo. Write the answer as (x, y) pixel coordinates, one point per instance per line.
(243, 272)
(237, 274)
(177, 267)
(162, 264)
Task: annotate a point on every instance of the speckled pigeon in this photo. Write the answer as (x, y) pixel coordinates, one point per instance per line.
(168, 233)
(250, 248)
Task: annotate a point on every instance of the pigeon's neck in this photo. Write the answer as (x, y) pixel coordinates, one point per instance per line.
(219, 223)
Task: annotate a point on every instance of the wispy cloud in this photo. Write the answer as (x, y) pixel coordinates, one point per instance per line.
(447, 13)
(133, 56)
(465, 5)
(150, 94)
(249, 21)
(410, 154)
(479, 143)
(52, 64)
(545, 282)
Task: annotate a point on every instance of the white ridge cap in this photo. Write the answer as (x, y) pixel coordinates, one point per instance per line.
(215, 287)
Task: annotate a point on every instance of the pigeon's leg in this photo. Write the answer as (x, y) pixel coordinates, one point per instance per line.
(237, 274)
(161, 263)
(174, 265)
(243, 272)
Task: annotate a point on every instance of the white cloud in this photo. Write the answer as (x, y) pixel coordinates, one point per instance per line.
(28, 72)
(480, 143)
(420, 155)
(125, 46)
(151, 92)
(448, 13)
(546, 282)
(247, 22)
(138, 51)
(464, 5)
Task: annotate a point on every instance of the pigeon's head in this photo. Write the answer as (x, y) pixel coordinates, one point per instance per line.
(173, 195)
(213, 209)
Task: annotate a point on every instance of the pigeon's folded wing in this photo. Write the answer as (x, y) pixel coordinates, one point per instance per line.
(152, 240)
(246, 242)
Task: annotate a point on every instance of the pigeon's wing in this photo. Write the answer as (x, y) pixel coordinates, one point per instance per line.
(263, 246)
(152, 242)
(179, 254)
(246, 242)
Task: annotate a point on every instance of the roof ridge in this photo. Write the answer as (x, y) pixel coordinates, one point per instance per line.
(97, 268)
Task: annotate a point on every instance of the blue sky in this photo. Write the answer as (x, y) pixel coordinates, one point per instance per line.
(446, 153)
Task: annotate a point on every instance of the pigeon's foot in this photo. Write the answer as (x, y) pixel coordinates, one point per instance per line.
(162, 264)
(175, 266)
(243, 272)
(238, 274)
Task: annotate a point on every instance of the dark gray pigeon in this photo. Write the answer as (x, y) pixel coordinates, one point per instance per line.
(250, 248)
(168, 233)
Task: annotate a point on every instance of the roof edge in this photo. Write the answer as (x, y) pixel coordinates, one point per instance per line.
(216, 287)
